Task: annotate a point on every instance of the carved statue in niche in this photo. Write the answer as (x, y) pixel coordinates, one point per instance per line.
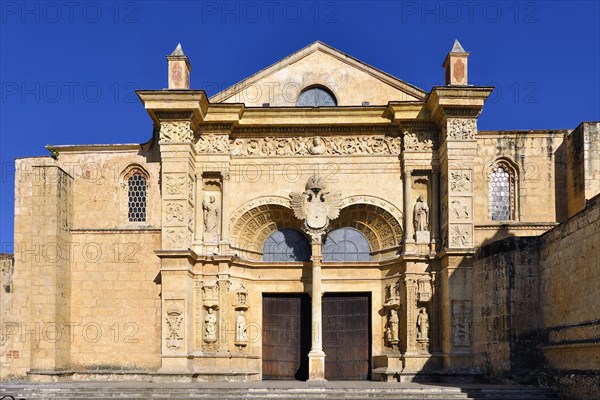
(241, 334)
(211, 217)
(392, 329)
(423, 324)
(421, 215)
(210, 326)
(317, 146)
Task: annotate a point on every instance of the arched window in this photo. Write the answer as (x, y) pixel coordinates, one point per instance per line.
(137, 197)
(502, 192)
(346, 244)
(316, 96)
(286, 245)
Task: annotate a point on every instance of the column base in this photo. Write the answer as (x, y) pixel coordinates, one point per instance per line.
(316, 366)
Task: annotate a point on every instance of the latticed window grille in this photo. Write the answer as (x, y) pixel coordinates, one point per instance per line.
(502, 194)
(137, 198)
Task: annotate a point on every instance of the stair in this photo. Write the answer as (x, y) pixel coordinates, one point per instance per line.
(269, 391)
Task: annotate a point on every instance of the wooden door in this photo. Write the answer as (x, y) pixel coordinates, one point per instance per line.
(286, 336)
(347, 336)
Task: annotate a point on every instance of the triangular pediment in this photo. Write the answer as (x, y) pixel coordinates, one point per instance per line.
(351, 81)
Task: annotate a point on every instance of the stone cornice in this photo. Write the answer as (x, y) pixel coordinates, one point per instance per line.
(505, 225)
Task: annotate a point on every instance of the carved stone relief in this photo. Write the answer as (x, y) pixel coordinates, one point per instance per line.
(316, 206)
(174, 321)
(241, 334)
(392, 328)
(175, 212)
(299, 146)
(461, 128)
(460, 236)
(417, 141)
(176, 132)
(460, 208)
(212, 143)
(425, 288)
(460, 181)
(212, 216)
(175, 184)
(175, 238)
(423, 324)
(461, 323)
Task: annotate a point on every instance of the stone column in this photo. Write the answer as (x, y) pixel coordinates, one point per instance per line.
(316, 357)
(435, 209)
(407, 196)
(224, 243)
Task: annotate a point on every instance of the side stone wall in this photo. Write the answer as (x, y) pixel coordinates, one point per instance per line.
(537, 319)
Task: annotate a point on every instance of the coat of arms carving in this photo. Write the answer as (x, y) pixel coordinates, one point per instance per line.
(316, 206)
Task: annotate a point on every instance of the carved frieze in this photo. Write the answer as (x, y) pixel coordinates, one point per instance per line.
(460, 208)
(460, 181)
(417, 141)
(176, 132)
(461, 128)
(175, 238)
(212, 143)
(300, 146)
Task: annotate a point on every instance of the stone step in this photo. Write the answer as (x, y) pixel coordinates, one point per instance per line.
(195, 392)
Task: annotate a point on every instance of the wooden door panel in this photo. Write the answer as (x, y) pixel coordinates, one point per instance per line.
(286, 336)
(346, 336)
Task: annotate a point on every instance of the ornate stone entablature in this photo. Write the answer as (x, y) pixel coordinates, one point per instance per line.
(212, 143)
(417, 141)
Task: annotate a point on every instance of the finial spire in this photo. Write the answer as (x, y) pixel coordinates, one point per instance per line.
(179, 51)
(457, 48)
(179, 69)
(455, 65)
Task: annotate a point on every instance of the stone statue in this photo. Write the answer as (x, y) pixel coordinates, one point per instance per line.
(210, 326)
(423, 324)
(241, 335)
(211, 217)
(421, 215)
(392, 331)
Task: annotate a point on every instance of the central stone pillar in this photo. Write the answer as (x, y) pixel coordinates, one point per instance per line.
(316, 357)
(407, 199)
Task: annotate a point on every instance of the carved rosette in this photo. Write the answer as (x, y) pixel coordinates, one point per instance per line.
(176, 132)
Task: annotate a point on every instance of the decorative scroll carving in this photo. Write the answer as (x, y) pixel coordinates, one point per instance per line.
(175, 184)
(175, 212)
(417, 141)
(176, 132)
(461, 323)
(299, 146)
(461, 128)
(212, 143)
(174, 319)
(316, 206)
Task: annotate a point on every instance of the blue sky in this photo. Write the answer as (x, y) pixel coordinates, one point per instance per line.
(68, 69)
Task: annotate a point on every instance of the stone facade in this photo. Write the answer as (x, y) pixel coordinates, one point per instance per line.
(155, 260)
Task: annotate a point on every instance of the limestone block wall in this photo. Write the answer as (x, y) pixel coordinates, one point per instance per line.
(6, 298)
(583, 165)
(539, 319)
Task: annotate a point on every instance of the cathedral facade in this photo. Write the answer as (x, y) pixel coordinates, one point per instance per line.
(319, 220)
